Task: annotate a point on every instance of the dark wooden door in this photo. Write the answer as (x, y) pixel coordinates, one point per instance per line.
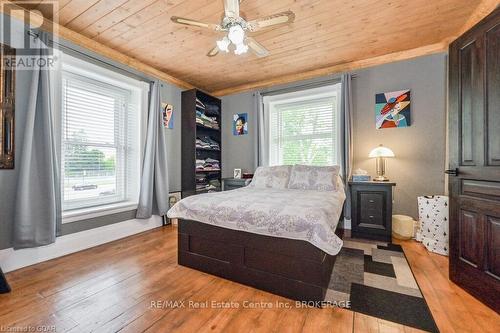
(474, 182)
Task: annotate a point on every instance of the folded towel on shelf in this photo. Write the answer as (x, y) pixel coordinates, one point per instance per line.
(211, 163)
(213, 144)
(201, 180)
(203, 119)
(208, 164)
(206, 142)
(200, 164)
(202, 144)
(214, 182)
(212, 109)
(199, 104)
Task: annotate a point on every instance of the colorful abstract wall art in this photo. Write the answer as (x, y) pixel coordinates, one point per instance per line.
(392, 109)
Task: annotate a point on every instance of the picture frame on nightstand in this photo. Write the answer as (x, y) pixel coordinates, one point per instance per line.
(237, 174)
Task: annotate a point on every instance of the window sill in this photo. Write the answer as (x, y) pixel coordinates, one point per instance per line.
(92, 212)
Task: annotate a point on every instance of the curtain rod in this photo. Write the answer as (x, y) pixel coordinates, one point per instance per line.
(32, 34)
(305, 86)
(140, 77)
(301, 87)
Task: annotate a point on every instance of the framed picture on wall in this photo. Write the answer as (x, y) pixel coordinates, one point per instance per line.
(167, 115)
(7, 103)
(392, 109)
(240, 124)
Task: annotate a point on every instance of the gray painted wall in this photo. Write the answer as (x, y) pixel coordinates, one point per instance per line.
(172, 94)
(420, 149)
(8, 178)
(238, 152)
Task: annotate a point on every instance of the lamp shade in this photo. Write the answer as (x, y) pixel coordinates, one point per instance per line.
(381, 151)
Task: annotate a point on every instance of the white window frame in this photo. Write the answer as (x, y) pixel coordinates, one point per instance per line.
(300, 96)
(140, 94)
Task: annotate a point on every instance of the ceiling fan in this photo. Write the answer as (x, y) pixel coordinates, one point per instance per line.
(237, 28)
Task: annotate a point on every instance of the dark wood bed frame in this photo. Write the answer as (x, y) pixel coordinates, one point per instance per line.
(291, 268)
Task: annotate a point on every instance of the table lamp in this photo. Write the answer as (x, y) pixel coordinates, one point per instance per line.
(380, 153)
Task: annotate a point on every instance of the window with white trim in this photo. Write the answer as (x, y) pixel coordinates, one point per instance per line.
(101, 135)
(303, 127)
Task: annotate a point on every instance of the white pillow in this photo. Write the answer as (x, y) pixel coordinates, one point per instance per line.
(318, 178)
(271, 177)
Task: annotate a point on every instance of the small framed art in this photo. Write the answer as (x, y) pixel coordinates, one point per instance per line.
(240, 124)
(173, 198)
(167, 115)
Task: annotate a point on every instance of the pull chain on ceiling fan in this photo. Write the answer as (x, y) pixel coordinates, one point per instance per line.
(237, 28)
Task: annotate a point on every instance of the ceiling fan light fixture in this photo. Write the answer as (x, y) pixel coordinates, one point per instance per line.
(236, 34)
(223, 44)
(241, 49)
(236, 27)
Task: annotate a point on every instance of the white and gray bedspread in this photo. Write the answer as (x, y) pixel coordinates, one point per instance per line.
(306, 215)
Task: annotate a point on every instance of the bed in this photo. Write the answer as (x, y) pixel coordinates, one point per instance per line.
(267, 235)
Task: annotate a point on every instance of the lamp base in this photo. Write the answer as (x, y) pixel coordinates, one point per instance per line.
(381, 179)
(381, 170)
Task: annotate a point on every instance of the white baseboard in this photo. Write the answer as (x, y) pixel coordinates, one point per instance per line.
(11, 260)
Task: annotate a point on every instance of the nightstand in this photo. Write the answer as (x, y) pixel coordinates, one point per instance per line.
(233, 183)
(371, 210)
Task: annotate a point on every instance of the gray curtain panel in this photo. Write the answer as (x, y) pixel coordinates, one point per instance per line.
(37, 217)
(346, 137)
(263, 146)
(153, 198)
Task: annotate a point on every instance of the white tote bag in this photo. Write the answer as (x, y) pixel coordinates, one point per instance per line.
(433, 215)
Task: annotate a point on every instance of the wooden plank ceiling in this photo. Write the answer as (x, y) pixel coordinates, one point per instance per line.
(325, 33)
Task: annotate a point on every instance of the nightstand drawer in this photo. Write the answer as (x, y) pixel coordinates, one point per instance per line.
(372, 201)
(371, 219)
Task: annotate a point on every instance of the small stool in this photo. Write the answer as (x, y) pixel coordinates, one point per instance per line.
(402, 227)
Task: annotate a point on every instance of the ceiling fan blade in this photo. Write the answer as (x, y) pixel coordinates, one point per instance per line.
(272, 20)
(257, 48)
(213, 52)
(185, 21)
(232, 8)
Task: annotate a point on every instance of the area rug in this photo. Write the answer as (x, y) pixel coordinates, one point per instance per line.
(377, 280)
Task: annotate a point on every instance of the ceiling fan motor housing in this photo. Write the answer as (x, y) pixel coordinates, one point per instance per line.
(228, 22)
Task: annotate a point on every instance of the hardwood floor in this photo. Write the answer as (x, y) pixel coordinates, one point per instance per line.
(120, 286)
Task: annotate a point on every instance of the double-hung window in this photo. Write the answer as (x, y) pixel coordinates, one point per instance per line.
(303, 127)
(101, 137)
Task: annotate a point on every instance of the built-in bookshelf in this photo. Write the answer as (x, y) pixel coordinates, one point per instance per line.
(201, 143)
